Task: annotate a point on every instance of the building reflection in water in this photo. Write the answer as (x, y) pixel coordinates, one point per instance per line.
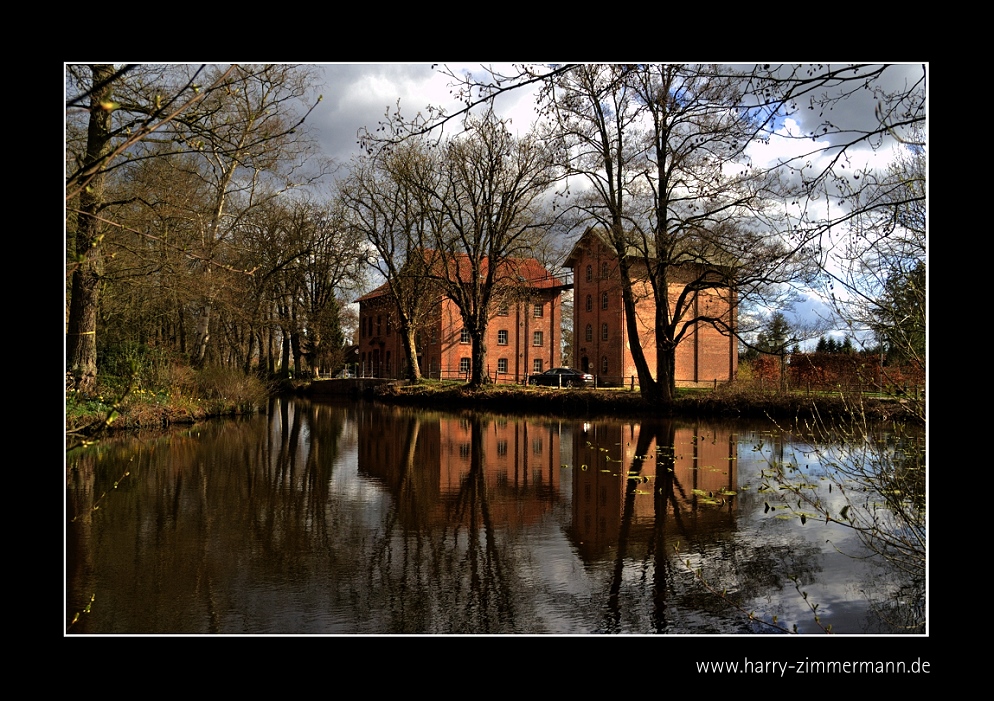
(429, 462)
(637, 475)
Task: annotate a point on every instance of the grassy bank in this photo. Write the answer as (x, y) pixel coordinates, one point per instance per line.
(725, 402)
(143, 401)
(189, 397)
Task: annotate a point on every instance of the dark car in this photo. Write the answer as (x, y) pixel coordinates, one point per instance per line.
(562, 377)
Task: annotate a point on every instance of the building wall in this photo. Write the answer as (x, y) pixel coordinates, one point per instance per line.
(704, 355)
(381, 348)
(442, 349)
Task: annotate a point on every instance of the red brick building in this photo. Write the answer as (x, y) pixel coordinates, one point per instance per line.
(524, 334)
(601, 344)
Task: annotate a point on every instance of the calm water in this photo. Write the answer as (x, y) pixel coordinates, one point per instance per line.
(323, 518)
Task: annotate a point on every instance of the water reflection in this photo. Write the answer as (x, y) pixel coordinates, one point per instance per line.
(358, 519)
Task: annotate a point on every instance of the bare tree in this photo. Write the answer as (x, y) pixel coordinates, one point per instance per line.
(663, 149)
(847, 109)
(244, 123)
(483, 194)
(879, 265)
(252, 149)
(383, 202)
(81, 342)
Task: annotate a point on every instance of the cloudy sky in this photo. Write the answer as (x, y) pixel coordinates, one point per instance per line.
(358, 95)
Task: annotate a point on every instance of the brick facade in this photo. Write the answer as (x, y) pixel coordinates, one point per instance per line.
(601, 343)
(524, 334)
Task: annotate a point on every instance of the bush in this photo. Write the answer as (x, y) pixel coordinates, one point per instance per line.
(133, 363)
(230, 386)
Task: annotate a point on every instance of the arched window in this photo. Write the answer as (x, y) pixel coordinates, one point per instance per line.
(604, 332)
(604, 301)
(590, 273)
(590, 303)
(604, 365)
(604, 270)
(590, 333)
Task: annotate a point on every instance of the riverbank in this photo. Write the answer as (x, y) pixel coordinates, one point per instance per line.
(572, 402)
(142, 411)
(182, 398)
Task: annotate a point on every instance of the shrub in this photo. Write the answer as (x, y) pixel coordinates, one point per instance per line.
(230, 386)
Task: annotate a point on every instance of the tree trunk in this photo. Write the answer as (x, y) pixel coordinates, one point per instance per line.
(479, 376)
(201, 336)
(647, 386)
(81, 338)
(411, 351)
(285, 361)
(665, 389)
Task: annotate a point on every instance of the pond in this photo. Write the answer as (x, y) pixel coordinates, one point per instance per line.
(323, 518)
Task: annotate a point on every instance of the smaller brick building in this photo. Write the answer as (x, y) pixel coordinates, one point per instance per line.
(601, 344)
(524, 334)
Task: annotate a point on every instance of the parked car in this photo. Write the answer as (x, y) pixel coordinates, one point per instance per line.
(562, 377)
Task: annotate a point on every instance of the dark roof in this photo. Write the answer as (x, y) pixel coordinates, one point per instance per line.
(524, 271)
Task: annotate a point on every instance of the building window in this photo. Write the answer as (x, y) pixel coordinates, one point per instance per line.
(464, 365)
(590, 273)
(464, 449)
(537, 365)
(590, 303)
(464, 336)
(502, 309)
(389, 326)
(434, 335)
(604, 301)
(603, 332)
(501, 447)
(604, 270)
(502, 365)
(502, 338)
(589, 334)
(604, 365)
(537, 446)
(537, 311)
(379, 325)
(537, 338)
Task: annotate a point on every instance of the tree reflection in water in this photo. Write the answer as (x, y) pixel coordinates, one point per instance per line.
(319, 518)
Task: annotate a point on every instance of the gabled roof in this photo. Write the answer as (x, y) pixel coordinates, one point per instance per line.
(595, 232)
(600, 234)
(380, 291)
(519, 271)
(527, 272)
